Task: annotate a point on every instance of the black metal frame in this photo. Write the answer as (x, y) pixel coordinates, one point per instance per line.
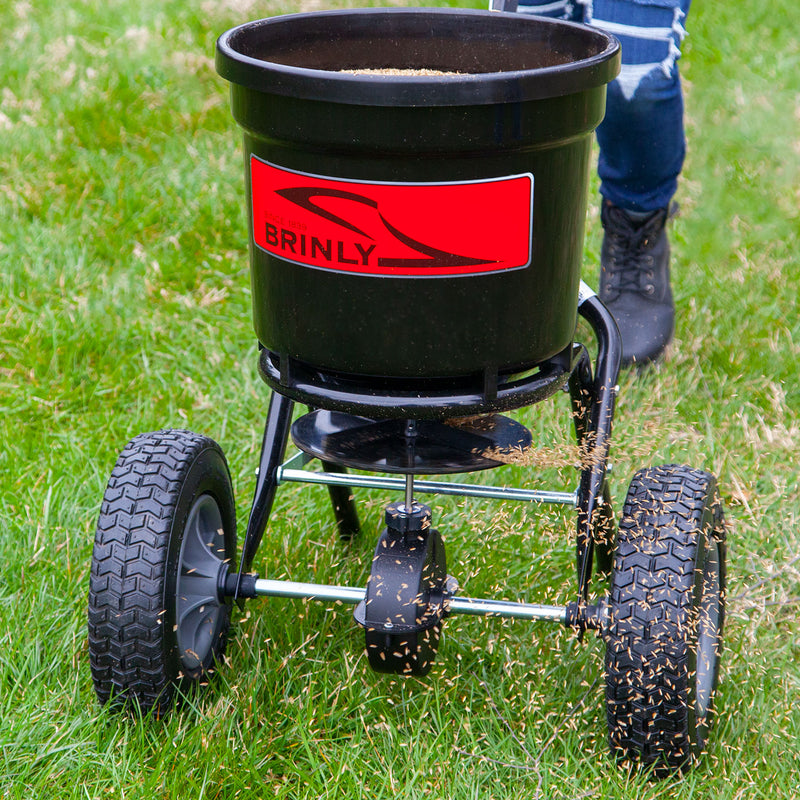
(592, 399)
(489, 390)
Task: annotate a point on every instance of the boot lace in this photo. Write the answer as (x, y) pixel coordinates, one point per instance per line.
(630, 262)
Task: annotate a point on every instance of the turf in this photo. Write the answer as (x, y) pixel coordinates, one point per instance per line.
(125, 307)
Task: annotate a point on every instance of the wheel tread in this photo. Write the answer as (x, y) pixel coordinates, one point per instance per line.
(647, 680)
(126, 607)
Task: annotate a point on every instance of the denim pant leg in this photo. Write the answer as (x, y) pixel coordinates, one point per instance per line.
(642, 143)
(573, 10)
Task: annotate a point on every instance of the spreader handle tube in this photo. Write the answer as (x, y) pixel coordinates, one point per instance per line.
(597, 434)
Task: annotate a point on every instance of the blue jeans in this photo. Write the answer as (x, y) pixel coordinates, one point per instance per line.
(642, 142)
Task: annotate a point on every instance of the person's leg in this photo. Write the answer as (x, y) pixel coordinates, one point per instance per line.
(642, 147)
(641, 139)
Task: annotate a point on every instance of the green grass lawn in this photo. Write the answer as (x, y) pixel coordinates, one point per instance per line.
(125, 307)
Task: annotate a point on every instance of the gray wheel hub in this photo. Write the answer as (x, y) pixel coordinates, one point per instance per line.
(198, 604)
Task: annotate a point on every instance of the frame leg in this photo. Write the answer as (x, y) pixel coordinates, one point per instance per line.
(273, 449)
(343, 506)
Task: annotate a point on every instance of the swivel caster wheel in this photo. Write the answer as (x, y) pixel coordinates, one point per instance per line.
(407, 593)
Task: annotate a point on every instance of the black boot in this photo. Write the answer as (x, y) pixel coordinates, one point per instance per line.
(634, 282)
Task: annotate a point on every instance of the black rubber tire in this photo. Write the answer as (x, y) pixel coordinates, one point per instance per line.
(168, 502)
(666, 615)
(412, 654)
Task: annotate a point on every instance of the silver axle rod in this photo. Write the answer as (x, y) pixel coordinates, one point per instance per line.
(262, 587)
(427, 487)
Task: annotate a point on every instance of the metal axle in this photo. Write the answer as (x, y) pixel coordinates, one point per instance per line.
(286, 475)
(260, 587)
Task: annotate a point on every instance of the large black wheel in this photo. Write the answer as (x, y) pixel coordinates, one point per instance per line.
(666, 615)
(166, 533)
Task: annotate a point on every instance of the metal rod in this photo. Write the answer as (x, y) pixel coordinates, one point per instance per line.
(507, 609)
(299, 460)
(430, 487)
(458, 605)
(409, 491)
(310, 591)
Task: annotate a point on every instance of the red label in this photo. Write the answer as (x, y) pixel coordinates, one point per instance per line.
(397, 229)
